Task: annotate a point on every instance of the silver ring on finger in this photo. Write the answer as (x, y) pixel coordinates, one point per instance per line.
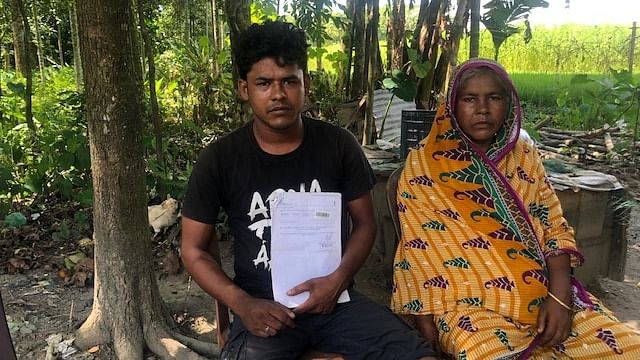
(266, 329)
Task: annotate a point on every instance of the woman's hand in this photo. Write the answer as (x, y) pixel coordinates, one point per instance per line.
(428, 330)
(554, 322)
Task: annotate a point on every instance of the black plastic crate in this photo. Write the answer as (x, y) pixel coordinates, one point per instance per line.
(414, 126)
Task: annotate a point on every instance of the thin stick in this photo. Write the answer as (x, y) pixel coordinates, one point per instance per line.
(70, 317)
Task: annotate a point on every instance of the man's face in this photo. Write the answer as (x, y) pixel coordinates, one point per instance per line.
(276, 93)
(481, 108)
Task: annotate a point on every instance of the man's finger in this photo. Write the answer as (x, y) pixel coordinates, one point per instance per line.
(304, 307)
(284, 317)
(300, 288)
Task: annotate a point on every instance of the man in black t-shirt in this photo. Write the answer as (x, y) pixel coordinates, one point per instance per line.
(279, 150)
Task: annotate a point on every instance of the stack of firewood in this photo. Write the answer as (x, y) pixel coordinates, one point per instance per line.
(598, 145)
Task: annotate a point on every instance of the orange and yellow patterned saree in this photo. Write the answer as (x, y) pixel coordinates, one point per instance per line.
(476, 231)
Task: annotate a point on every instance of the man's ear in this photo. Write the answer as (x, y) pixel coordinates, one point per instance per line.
(307, 83)
(243, 89)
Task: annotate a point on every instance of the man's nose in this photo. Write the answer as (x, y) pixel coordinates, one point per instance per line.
(277, 91)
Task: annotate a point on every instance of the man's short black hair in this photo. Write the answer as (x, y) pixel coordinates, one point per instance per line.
(281, 41)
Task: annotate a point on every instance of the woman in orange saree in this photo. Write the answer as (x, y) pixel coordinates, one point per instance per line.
(484, 262)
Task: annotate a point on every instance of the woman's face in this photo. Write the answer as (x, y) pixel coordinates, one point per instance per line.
(481, 109)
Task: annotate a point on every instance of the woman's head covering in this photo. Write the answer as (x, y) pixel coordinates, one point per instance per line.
(510, 131)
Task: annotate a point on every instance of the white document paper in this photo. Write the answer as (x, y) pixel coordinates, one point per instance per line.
(305, 241)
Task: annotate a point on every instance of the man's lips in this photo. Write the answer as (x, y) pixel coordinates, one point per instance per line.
(279, 108)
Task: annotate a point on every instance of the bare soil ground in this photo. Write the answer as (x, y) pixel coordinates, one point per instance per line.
(41, 305)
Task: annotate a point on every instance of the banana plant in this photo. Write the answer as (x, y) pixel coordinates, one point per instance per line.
(502, 17)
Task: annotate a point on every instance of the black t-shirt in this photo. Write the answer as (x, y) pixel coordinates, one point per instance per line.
(236, 174)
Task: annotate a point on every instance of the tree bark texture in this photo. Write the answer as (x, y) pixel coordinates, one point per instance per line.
(127, 309)
(348, 47)
(371, 59)
(39, 46)
(427, 37)
(156, 122)
(75, 42)
(455, 34)
(238, 19)
(474, 47)
(396, 35)
(359, 78)
(214, 35)
(60, 48)
(22, 50)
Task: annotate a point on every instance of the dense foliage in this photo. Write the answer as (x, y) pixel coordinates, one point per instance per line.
(197, 100)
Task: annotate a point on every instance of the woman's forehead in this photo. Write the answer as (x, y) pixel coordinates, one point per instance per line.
(482, 77)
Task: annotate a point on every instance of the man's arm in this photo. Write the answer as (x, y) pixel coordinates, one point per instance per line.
(324, 291)
(261, 317)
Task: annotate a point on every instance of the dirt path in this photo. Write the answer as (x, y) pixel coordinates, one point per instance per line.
(40, 305)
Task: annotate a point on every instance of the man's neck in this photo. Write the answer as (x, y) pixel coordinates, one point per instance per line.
(278, 141)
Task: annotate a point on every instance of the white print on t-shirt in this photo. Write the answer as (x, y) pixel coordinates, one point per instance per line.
(258, 209)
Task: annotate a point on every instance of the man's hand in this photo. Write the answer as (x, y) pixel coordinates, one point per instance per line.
(554, 323)
(323, 294)
(264, 318)
(428, 330)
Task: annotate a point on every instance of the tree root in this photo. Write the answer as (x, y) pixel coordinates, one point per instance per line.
(202, 347)
(162, 343)
(92, 332)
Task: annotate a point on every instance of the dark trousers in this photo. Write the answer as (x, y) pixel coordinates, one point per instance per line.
(359, 329)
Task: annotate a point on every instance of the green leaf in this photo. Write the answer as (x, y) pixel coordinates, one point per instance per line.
(16, 88)
(421, 69)
(579, 79)
(63, 233)
(33, 182)
(15, 219)
(64, 186)
(85, 198)
(401, 85)
(5, 177)
(203, 42)
(389, 84)
(66, 160)
(584, 109)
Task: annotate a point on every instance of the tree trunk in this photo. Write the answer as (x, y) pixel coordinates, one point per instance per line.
(238, 19)
(6, 58)
(22, 41)
(359, 78)
(378, 72)
(396, 35)
(39, 47)
(427, 38)
(457, 28)
(214, 23)
(60, 48)
(127, 309)
(474, 47)
(348, 46)
(153, 98)
(187, 21)
(319, 4)
(214, 35)
(371, 59)
(450, 53)
(75, 42)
